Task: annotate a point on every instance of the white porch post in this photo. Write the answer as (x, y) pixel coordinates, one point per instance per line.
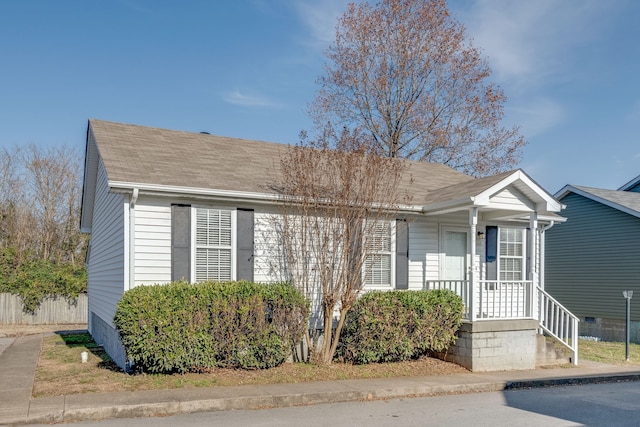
(533, 271)
(533, 247)
(473, 274)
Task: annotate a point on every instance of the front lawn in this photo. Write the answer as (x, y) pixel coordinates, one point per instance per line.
(60, 371)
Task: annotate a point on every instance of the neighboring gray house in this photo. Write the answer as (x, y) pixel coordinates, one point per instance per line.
(595, 255)
(149, 194)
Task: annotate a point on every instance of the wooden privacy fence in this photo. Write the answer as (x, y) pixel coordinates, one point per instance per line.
(52, 311)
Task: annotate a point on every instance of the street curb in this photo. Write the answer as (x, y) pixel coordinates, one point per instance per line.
(551, 382)
(268, 401)
(169, 408)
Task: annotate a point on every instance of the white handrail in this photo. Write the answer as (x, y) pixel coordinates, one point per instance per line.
(498, 299)
(558, 322)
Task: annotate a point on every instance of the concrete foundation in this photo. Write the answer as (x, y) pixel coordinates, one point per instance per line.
(609, 329)
(495, 345)
(107, 336)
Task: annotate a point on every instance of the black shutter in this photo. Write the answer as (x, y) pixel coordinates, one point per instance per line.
(244, 239)
(491, 252)
(402, 254)
(180, 242)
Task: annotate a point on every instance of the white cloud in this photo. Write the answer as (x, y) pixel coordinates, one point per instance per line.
(529, 42)
(320, 17)
(245, 100)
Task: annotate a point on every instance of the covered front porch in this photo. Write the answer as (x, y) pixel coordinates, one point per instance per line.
(495, 263)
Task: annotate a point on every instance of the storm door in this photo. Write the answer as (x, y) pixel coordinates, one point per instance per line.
(455, 255)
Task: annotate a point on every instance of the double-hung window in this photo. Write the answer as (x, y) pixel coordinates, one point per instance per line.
(379, 263)
(214, 241)
(512, 254)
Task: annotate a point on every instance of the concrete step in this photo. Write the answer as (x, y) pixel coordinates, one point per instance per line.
(549, 353)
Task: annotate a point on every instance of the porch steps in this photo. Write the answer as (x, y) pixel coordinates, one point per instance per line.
(549, 353)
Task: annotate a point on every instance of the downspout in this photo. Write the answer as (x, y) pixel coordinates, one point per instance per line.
(132, 237)
(542, 252)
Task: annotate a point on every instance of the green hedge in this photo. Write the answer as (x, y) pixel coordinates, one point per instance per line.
(400, 325)
(182, 327)
(34, 280)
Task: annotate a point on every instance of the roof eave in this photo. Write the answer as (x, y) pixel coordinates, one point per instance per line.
(218, 194)
(449, 206)
(172, 191)
(635, 181)
(546, 202)
(571, 189)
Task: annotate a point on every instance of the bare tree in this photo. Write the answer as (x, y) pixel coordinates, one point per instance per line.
(403, 71)
(40, 203)
(52, 181)
(338, 200)
(16, 221)
(8, 190)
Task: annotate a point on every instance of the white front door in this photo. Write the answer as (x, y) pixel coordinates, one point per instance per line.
(455, 255)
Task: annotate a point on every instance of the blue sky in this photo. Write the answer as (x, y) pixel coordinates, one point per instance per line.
(247, 68)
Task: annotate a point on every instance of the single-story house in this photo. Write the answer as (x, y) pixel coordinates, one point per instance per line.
(595, 256)
(149, 192)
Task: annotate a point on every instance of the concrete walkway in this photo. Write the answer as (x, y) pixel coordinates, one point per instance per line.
(18, 363)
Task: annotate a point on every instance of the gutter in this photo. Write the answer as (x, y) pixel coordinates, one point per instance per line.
(136, 189)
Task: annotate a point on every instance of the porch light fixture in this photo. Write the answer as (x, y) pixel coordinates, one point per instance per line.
(481, 235)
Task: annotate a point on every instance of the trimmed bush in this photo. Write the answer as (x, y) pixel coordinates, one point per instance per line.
(182, 327)
(400, 325)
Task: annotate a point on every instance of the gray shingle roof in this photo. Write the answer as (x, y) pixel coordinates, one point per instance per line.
(465, 189)
(625, 199)
(145, 155)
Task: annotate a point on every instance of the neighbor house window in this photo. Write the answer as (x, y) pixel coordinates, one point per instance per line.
(213, 244)
(511, 252)
(379, 263)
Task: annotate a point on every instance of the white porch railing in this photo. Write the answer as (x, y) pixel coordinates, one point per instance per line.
(497, 299)
(460, 287)
(558, 322)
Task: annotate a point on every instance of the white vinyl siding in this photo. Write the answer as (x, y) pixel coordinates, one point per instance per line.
(106, 263)
(268, 260)
(379, 266)
(511, 253)
(511, 199)
(214, 230)
(424, 258)
(153, 241)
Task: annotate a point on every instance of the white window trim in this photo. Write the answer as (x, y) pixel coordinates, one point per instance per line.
(392, 253)
(499, 257)
(234, 232)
